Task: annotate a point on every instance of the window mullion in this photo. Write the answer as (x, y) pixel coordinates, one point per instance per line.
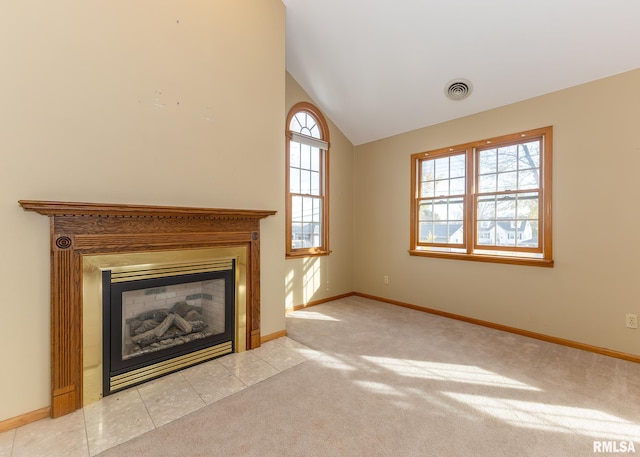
(470, 223)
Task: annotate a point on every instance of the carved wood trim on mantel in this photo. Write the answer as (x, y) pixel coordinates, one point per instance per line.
(55, 208)
(79, 229)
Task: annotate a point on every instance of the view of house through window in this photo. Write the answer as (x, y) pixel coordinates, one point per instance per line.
(307, 191)
(488, 200)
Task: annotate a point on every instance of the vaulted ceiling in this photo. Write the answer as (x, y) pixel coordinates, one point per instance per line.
(379, 67)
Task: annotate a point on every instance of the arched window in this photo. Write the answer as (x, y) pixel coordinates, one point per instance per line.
(307, 205)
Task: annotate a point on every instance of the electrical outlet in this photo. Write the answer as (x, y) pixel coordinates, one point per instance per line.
(632, 320)
(386, 279)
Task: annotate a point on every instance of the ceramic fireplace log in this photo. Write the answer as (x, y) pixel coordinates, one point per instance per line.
(164, 326)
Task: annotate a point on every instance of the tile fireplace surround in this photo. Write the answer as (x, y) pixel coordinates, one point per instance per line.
(86, 229)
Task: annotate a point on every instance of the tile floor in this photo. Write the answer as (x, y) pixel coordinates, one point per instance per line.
(132, 412)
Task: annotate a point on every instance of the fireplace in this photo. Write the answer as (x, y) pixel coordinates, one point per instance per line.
(149, 272)
(88, 239)
(161, 318)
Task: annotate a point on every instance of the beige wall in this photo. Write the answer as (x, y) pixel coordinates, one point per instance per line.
(595, 220)
(149, 102)
(316, 278)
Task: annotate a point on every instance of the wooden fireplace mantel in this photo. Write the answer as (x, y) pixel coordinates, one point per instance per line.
(54, 208)
(79, 229)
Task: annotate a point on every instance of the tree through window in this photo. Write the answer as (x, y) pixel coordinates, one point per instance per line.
(307, 205)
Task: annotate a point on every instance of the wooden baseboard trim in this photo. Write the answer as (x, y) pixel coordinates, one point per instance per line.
(319, 302)
(506, 328)
(24, 419)
(273, 336)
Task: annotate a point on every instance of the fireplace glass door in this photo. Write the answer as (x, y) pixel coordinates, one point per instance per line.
(154, 326)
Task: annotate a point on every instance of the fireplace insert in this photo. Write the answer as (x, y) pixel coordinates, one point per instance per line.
(163, 318)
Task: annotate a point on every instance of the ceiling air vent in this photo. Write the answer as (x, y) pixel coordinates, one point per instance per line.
(458, 89)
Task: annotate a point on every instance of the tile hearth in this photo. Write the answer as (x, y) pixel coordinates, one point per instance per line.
(125, 415)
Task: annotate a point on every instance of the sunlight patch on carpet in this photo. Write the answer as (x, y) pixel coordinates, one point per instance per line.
(552, 417)
(379, 388)
(448, 372)
(312, 315)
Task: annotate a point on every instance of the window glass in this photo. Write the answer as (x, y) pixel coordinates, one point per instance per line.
(498, 212)
(307, 196)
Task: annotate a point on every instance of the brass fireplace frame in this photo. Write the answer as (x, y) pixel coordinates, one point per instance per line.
(145, 265)
(85, 229)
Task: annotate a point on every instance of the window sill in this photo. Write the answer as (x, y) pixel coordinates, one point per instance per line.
(306, 253)
(547, 263)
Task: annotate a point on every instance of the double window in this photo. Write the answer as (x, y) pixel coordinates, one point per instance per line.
(307, 195)
(488, 200)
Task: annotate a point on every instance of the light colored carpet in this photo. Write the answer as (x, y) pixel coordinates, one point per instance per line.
(396, 382)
